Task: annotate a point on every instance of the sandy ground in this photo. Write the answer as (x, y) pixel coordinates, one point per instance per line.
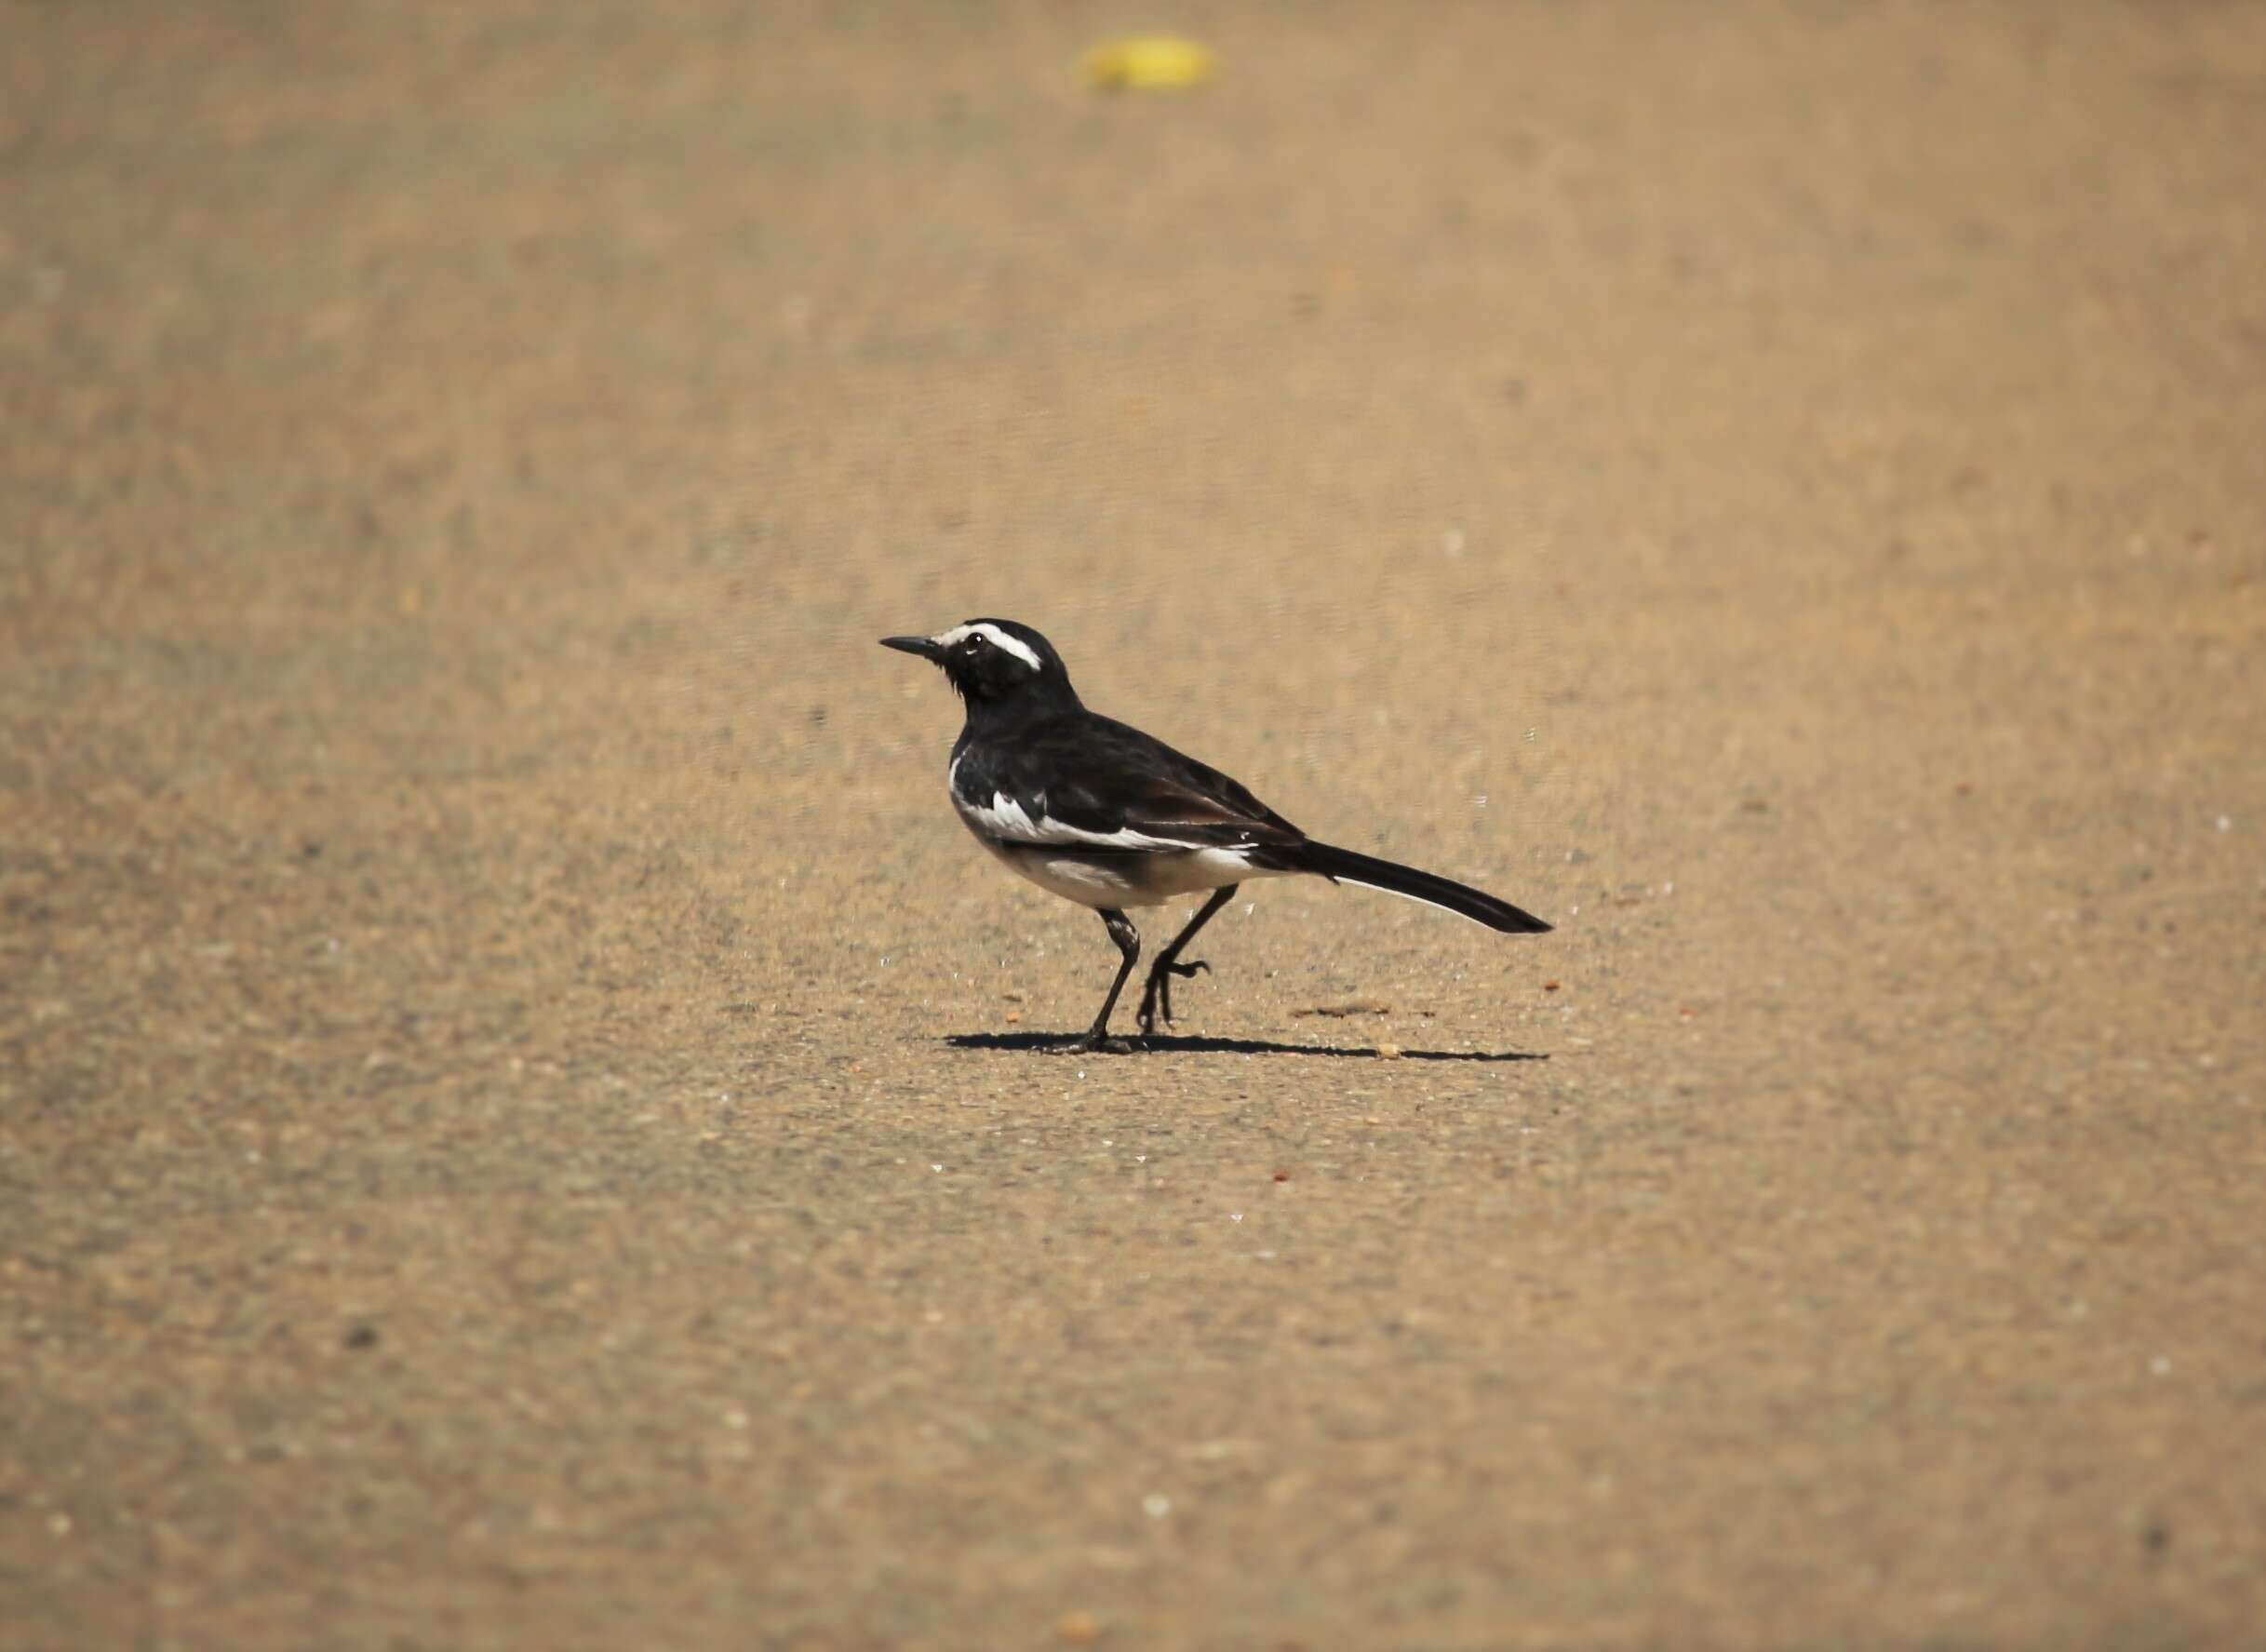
(518, 1125)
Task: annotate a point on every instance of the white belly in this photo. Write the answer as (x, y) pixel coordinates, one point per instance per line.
(1100, 879)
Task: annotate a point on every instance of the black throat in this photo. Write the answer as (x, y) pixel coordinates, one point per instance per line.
(1001, 708)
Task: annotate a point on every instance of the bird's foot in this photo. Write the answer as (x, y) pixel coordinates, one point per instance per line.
(1157, 996)
(1089, 1043)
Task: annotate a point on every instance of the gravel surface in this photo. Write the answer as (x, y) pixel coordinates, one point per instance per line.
(519, 1123)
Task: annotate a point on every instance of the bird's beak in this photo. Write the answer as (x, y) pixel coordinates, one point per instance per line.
(922, 646)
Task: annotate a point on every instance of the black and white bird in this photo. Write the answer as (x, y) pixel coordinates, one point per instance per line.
(1109, 817)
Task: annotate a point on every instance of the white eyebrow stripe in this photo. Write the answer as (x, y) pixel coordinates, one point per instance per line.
(993, 634)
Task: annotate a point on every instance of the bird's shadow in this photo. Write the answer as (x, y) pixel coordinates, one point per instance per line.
(1172, 1044)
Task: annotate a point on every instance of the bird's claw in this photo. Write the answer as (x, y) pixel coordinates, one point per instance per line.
(1086, 1043)
(1157, 997)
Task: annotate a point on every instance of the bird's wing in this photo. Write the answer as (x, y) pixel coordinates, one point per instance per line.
(1094, 783)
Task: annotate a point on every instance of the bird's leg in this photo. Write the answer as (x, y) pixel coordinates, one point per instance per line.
(1096, 1038)
(1157, 997)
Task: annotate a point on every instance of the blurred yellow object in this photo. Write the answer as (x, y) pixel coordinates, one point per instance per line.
(1149, 63)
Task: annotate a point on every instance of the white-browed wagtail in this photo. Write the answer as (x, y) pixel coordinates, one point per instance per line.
(1109, 817)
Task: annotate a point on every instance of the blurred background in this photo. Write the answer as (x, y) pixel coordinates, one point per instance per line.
(1773, 488)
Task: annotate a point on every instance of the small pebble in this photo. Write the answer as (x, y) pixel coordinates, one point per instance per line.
(1389, 1052)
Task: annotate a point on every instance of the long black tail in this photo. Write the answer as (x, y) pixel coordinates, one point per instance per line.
(1344, 865)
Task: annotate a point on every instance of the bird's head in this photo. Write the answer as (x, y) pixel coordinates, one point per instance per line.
(991, 661)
